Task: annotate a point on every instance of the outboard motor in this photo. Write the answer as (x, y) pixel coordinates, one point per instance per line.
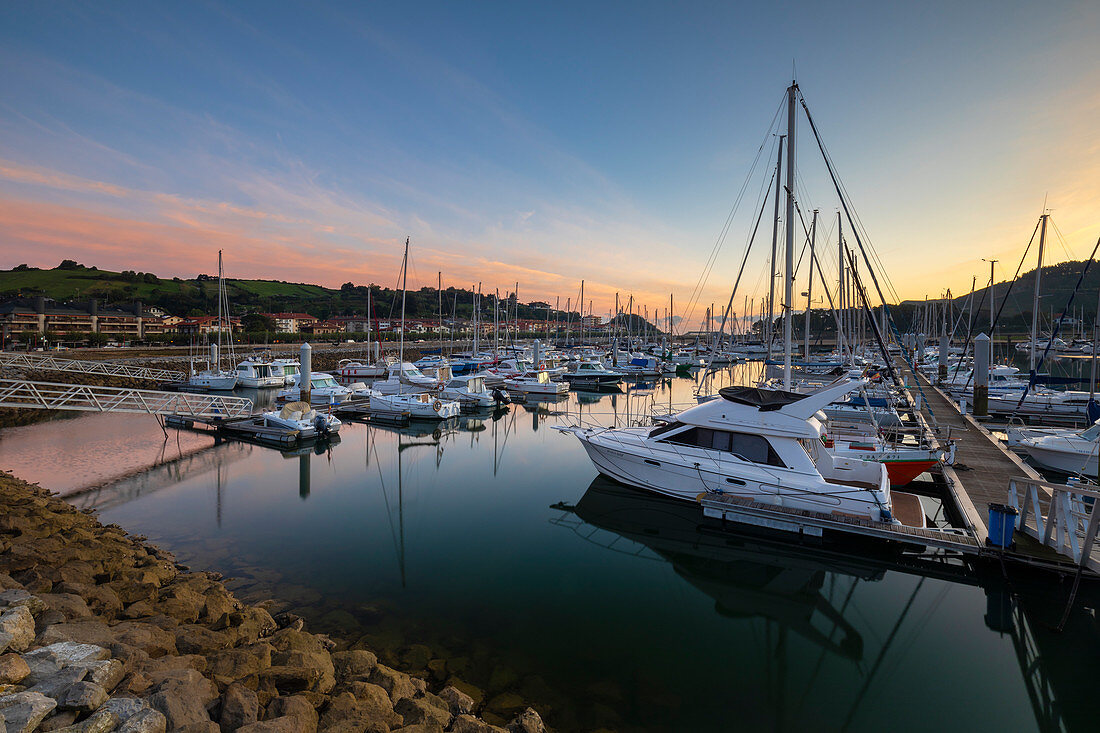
(500, 396)
(321, 424)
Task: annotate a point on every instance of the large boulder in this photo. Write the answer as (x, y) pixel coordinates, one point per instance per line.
(374, 703)
(296, 707)
(150, 638)
(18, 622)
(240, 706)
(354, 663)
(23, 711)
(83, 697)
(182, 695)
(13, 669)
(396, 684)
(419, 711)
(240, 662)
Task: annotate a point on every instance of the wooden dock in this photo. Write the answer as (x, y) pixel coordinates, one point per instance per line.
(981, 476)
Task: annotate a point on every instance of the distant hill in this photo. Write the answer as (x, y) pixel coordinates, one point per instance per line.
(1056, 286)
(71, 281)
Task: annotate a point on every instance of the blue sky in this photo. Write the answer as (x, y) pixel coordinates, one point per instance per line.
(539, 143)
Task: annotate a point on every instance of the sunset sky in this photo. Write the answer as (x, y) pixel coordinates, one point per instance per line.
(543, 143)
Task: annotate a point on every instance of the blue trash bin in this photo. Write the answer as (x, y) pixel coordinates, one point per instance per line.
(1002, 525)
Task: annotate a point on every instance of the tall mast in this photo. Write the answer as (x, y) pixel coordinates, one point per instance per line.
(404, 287)
(840, 286)
(581, 309)
(1035, 298)
(775, 241)
(792, 90)
(439, 292)
(810, 288)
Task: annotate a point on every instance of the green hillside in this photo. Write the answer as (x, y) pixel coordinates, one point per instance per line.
(71, 281)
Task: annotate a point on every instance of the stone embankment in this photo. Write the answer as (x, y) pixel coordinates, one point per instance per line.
(100, 632)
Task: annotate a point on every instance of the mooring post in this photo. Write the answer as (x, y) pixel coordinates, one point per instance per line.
(921, 340)
(306, 358)
(981, 375)
(945, 346)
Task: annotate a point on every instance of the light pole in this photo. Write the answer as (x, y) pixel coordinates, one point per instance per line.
(992, 264)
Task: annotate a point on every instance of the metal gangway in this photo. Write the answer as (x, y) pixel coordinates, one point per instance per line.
(24, 394)
(1064, 518)
(12, 360)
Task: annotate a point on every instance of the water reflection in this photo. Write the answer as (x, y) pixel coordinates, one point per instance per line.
(793, 588)
(442, 534)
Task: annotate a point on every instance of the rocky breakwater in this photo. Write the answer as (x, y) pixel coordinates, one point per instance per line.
(100, 631)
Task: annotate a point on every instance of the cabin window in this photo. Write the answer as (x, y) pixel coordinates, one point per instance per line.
(664, 428)
(753, 448)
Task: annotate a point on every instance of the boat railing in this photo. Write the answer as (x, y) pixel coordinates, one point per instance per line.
(1062, 517)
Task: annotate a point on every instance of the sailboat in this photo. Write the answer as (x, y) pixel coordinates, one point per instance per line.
(421, 405)
(214, 377)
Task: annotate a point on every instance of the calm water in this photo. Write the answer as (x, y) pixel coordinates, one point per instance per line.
(491, 541)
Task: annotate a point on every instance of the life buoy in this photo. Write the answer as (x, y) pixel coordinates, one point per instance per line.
(437, 405)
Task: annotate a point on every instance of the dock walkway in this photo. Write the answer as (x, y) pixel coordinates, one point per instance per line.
(982, 473)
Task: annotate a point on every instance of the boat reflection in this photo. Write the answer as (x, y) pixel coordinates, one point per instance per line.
(745, 576)
(1054, 630)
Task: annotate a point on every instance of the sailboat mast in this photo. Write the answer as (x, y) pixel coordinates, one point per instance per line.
(1035, 297)
(775, 241)
(439, 292)
(788, 284)
(404, 287)
(810, 289)
(581, 309)
(840, 286)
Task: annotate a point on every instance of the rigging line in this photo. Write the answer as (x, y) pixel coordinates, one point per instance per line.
(842, 193)
(1008, 291)
(1062, 239)
(859, 242)
(705, 274)
(842, 343)
(744, 260)
(1058, 325)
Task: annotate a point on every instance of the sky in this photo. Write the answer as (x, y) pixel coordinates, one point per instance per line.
(543, 143)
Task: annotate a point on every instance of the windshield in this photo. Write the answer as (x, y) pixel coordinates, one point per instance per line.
(323, 382)
(1092, 433)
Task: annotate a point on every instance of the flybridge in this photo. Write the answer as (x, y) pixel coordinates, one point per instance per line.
(762, 399)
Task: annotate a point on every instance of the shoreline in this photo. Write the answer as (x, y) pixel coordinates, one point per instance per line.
(108, 632)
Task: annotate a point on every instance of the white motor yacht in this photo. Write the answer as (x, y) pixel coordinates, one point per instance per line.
(302, 417)
(405, 377)
(536, 383)
(289, 368)
(422, 405)
(1071, 453)
(592, 374)
(759, 444)
(351, 369)
(258, 374)
(323, 390)
(470, 390)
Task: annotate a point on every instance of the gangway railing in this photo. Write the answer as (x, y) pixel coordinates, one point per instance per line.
(12, 360)
(49, 396)
(1064, 518)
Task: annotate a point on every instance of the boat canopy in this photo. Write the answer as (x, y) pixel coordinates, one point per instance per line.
(762, 399)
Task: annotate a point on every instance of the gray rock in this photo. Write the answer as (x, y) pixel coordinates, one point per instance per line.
(470, 724)
(240, 707)
(459, 702)
(105, 672)
(285, 724)
(147, 721)
(124, 707)
(83, 696)
(23, 711)
(57, 683)
(51, 659)
(59, 720)
(527, 722)
(13, 669)
(420, 712)
(179, 709)
(20, 597)
(295, 706)
(5, 640)
(101, 721)
(18, 622)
